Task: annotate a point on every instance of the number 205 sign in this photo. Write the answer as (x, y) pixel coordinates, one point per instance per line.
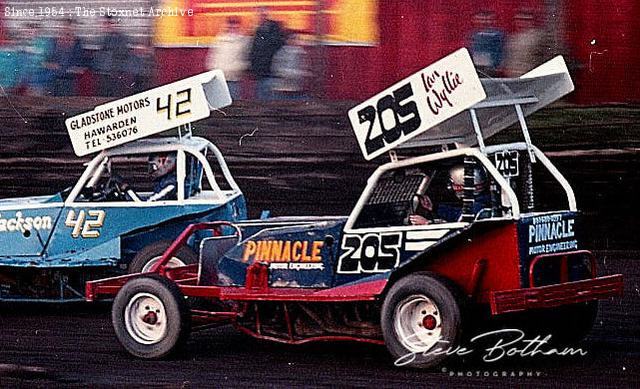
(149, 112)
(417, 103)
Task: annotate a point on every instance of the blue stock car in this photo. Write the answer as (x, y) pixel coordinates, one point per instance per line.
(51, 245)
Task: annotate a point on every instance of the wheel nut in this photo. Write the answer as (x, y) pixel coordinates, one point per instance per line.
(150, 318)
(429, 322)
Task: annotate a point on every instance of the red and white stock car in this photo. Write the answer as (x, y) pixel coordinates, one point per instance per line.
(432, 238)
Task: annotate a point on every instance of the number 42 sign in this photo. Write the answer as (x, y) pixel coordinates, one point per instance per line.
(155, 110)
(417, 103)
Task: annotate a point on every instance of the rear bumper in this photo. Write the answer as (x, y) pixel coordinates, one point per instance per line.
(556, 295)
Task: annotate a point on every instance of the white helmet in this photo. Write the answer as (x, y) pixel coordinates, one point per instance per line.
(456, 178)
(161, 164)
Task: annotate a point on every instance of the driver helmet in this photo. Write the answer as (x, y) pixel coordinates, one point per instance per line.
(456, 181)
(161, 164)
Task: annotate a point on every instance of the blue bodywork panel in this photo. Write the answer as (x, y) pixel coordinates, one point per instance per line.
(300, 254)
(35, 234)
(543, 234)
(25, 228)
(317, 253)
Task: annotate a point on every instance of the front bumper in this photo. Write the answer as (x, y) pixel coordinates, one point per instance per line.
(556, 295)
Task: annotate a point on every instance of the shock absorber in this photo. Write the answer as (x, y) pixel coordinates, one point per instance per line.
(528, 195)
(496, 199)
(469, 186)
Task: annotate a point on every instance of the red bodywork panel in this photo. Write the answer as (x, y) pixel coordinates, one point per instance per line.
(486, 262)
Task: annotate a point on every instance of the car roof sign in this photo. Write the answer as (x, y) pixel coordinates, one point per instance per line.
(149, 112)
(533, 90)
(416, 104)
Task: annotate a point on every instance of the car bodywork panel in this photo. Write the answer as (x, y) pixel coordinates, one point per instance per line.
(316, 253)
(480, 256)
(27, 224)
(135, 227)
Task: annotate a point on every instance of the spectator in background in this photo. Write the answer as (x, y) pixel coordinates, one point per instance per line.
(66, 61)
(139, 67)
(268, 39)
(487, 44)
(290, 68)
(111, 59)
(229, 54)
(524, 46)
(34, 53)
(9, 64)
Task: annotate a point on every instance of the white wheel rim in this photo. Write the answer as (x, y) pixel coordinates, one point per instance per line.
(145, 318)
(173, 262)
(418, 324)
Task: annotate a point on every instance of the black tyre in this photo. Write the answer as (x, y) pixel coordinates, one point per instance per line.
(151, 317)
(149, 255)
(421, 313)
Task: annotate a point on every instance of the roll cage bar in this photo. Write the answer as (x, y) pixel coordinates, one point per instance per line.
(481, 157)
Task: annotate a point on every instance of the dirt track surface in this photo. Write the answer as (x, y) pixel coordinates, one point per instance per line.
(76, 346)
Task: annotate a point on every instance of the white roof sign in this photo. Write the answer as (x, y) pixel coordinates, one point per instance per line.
(416, 104)
(149, 112)
(533, 91)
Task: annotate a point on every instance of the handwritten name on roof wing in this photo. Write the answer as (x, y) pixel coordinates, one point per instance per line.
(416, 104)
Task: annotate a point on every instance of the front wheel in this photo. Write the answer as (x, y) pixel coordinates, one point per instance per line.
(151, 317)
(421, 315)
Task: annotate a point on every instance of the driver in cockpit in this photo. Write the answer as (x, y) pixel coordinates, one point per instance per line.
(162, 168)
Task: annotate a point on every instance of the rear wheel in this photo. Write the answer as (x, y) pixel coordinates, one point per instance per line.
(151, 317)
(421, 314)
(150, 255)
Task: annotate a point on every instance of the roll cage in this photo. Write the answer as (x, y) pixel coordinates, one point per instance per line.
(514, 212)
(508, 101)
(195, 149)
